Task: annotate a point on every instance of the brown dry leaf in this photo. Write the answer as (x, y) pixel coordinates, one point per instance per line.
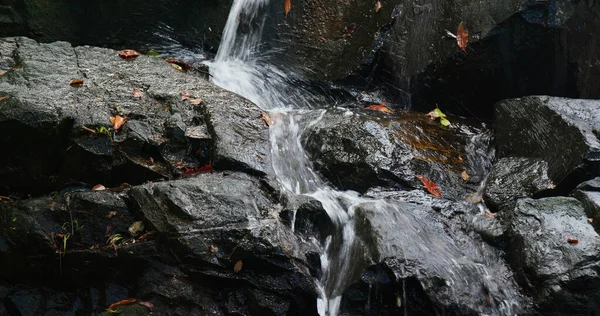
(288, 7)
(128, 53)
(117, 121)
(213, 249)
(76, 83)
(126, 301)
(265, 117)
(3, 98)
(195, 101)
(98, 187)
(148, 305)
(489, 214)
(465, 176)
(5, 198)
(111, 214)
(2, 73)
(380, 107)
(378, 6)
(184, 96)
(590, 220)
(238, 266)
(462, 37)
(138, 93)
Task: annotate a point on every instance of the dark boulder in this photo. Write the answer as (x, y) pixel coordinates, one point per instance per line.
(70, 137)
(423, 264)
(562, 132)
(588, 193)
(554, 253)
(513, 178)
(360, 150)
(116, 24)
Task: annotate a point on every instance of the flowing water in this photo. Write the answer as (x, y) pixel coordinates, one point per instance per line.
(241, 67)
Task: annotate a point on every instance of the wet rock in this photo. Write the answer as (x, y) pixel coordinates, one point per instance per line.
(588, 193)
(559, 131)
(445, 272)
(357, 151)
(307, 216)
(512, 178)
(134, 23)
(70, 137)
(562, 275)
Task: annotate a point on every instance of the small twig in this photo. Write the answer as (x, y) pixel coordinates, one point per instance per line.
(89, 130)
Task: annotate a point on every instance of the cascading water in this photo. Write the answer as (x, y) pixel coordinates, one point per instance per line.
(240, 67)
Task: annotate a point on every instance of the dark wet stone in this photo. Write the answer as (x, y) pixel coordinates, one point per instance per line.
(225, 130)
(512, 178)
(561, 275)
(425, 273)
(561, 132)
(135, 23)
(308, 217)
(588, 193)
(367, 149)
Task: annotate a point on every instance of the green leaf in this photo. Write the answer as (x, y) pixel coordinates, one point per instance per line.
(437, 113)
(444, 121)
(152, 53)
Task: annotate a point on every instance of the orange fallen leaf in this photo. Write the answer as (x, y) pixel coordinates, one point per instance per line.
(128, 54)
(462, 37)
(238, 266)
(265, 117)
(3, 98)
(126, 301)
(288, 7)
(572, 240)
(465, 176)
(98, 187)
(378, 6)
(76, 83)
(380, 107)
(117, 121)
(138, 93)
(430, 186)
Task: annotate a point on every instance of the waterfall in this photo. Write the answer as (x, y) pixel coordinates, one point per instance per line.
(240, 66)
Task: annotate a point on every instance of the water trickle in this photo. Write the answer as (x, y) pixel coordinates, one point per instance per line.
(241, 67)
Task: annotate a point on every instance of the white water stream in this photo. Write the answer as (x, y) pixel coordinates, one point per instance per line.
(240, 67)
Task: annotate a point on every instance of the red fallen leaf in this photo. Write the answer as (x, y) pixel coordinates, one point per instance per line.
(148, 305)
(288, 7)
(195, 170)
(572, 240)
(147, 235)
(126, 301)
(76, 83)
(117, 121)
(430, 186)
(379, 107)
(121, 216)
(128, 54)
(181, 64)
(138, 93)
(462, 37)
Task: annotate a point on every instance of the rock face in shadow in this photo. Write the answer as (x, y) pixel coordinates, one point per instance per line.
(70, 136)
(554, 252)
(108, 23)
(562, 132)
(360, 150)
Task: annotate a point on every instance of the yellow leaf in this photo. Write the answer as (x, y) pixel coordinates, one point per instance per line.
(3, 98)
(465, 175)
(176, 67)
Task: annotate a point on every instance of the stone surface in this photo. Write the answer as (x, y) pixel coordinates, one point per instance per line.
(513, 178)
(588, 193)
(69, 134)
(561, 275)
(363, 149)
(559, 131)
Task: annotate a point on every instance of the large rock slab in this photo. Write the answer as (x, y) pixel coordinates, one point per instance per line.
(562, 274)
(562, 132)
(362, 149)
(72, 139)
